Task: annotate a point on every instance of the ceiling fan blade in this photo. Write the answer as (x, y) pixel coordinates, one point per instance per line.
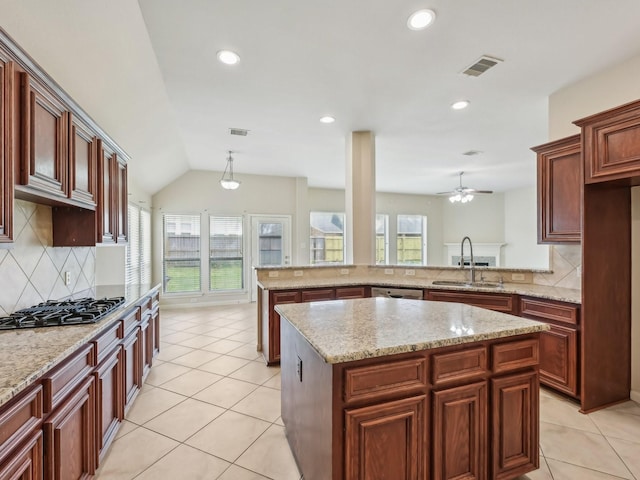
(453, 192)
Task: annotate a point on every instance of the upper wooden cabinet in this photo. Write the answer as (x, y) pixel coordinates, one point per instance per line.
(559, 191)
(6, 148)
(106, 174)
(121, 201)
(83, 162)
(611, 144)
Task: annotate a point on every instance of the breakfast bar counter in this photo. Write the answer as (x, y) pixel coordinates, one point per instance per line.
(407, 389)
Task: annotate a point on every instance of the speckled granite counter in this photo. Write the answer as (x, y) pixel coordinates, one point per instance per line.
(347, 330)
(26, 354)
(540, 291)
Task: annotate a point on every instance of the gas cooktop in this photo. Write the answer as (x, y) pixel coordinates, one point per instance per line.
(57, 313)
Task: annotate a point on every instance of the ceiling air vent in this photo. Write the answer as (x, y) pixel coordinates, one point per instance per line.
(481, 65)
(238, 131)
(471, 153)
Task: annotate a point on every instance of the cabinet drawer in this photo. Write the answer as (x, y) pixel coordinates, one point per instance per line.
(375, 381)
(145, 304)
(130, 320)
(318, 294)
(546, 310)
(351, 292)
(462, 365)
(515, 355)
(107, 341)
(65, 378)
(20, 419)
(285, 296)
(499, 302)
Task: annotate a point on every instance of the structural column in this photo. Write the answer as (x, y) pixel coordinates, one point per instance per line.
(360, 198)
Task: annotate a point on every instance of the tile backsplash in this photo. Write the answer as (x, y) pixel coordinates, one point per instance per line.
(565, 263)
(32, 270)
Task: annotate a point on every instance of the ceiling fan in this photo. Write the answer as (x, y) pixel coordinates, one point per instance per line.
(462, 194)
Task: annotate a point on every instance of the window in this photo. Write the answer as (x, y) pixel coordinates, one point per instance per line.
(327, 238)
(411, 239)
(382, 240)
(225, 253)
(138, 266)
(181, 253)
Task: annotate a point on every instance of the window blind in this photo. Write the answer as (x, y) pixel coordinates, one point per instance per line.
(226, 260)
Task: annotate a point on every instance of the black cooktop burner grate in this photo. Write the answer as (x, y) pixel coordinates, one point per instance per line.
(56, 313)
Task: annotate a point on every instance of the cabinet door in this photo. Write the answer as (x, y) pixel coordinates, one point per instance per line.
(69, 436)
(146, 335)
(7, 124)
(559, 359)
(559, 191)
(459, 432)
(155, 323)
(83, 163)
(387, 440)
(109, 406)
(25, 463)
(132, 367)
(43, 162)
(121, 201)
(105, 209)
(278, 297)
(515, 425)
(318, 294)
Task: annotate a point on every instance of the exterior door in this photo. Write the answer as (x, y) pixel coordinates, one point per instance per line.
(270, 244)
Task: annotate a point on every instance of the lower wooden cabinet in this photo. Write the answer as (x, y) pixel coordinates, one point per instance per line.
(69, 437)
(500, 302)
(459, 432)
(515, 420)
(343, 293)
(271, 325)
(132, 366)
(109, 401)
(558, 359)
(25, 463)
(387, 438)
(146, 347)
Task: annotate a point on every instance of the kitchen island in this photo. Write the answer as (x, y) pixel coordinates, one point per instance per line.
(391, 388)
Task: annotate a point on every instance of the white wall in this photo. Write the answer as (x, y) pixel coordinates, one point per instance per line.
(604, 90)
(520, 233)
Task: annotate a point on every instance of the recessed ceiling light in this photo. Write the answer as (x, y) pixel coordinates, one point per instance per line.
(460, 104)
(228, 57)
(421, 19)
(327, 119)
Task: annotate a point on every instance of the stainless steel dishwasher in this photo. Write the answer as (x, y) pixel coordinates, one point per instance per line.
(410, 293)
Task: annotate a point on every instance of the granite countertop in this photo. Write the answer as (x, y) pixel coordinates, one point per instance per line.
(28, 353)
(540, 291)
(347, 330)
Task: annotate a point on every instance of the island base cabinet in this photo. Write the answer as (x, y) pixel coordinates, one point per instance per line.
(69, 437)
(515, 420)
(26, 463)
(459, 432)
(385, 440)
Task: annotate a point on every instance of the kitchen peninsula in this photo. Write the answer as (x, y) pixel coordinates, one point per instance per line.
(437, 388)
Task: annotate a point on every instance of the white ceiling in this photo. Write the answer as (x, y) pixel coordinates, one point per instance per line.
(353, 59)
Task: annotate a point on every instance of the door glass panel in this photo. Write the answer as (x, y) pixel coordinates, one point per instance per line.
(269, 244)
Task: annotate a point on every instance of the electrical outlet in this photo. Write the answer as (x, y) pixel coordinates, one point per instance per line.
(388, 271)
(273, 274)
(297, 273)
(344, 271)
(411, 272)
(299, 368)
(517, 276)
(579, 271)
(67, 278)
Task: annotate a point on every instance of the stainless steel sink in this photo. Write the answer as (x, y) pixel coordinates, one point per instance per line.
(459, 283)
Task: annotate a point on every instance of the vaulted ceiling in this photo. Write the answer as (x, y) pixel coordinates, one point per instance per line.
(148, 73)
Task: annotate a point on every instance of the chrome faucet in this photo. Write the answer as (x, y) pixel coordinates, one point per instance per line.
(471, 261)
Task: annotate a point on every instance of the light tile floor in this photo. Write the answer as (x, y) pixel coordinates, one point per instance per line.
(210, 409)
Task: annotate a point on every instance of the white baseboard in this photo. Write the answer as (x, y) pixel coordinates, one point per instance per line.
(635, 396)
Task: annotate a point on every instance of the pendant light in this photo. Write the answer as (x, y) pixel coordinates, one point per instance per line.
(227, 181)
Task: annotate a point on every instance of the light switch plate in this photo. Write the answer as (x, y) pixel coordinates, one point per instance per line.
(273, 274)
(297, 273)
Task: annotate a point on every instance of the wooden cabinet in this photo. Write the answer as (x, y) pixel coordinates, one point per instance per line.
(318, 294)
(21, 436)
(611, 144)
(83, 162)
(7, 138)
(500, 302)
(271, 322)
(109, 405)
(105, 213)
(121, 200)
(343, 293)
(386, 440)
(132, 366)
(559, 360)
(559, 191)
(459, 432)
(69, 436)
(514, 419)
